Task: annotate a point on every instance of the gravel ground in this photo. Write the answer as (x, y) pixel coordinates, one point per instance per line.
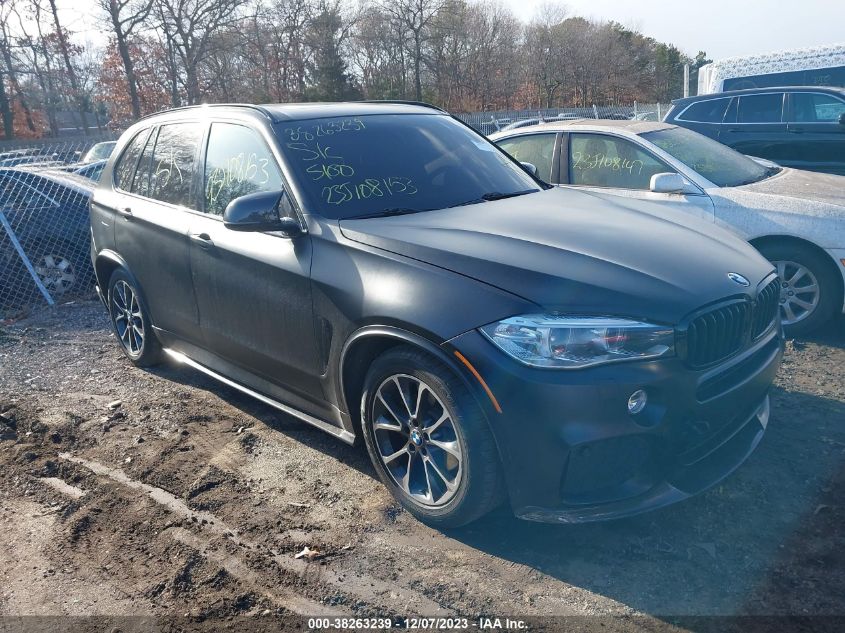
(162, 493)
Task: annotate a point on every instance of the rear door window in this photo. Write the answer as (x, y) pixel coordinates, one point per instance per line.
(237, 162)
(537, 149)
(709, 111)
(173, 163)
(125, 168)
(816, 108)
(764, 108)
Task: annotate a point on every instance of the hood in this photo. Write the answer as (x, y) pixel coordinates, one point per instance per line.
(808, 187)
(574, 252)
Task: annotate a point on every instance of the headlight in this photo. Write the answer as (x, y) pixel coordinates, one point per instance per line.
(552, 341)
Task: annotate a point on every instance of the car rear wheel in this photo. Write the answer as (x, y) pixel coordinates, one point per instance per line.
(131, 322)
(429, 440)
(808, 288)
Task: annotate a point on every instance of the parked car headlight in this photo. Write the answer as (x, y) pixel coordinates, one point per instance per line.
(541, 340)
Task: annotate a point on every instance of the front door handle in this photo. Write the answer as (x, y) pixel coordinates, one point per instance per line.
(125, 211)
(203, 240)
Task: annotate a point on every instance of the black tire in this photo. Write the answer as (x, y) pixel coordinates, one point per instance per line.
(477, 486)
(138, 343)
(829, 290)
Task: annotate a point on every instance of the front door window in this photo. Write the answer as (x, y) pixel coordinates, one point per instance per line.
(600, 160)
(537, 149)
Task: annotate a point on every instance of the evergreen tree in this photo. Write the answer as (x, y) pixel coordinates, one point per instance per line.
(328, 72)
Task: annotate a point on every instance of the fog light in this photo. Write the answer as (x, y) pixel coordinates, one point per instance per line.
(637, 401)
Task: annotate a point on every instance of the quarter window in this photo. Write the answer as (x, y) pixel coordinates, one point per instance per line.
(765, 108)
(709, 111)
(126, 165)
(598, 160)
(537, 149)
(238, 162)
(173, 163)
(816, 108)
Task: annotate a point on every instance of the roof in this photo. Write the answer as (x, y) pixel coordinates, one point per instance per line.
(633, 127)
(731, 93)
(277, 112)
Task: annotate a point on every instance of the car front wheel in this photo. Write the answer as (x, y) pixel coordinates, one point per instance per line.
(429, 440)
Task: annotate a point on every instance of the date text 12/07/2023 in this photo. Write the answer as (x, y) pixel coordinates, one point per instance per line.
(324, 164)
(419, 624)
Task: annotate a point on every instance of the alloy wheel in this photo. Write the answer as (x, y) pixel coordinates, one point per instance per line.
(799, 291)
(128, 320)
(417, 440)
(56, 273)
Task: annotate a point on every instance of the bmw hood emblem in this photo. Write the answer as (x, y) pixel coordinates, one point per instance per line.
(739, 279)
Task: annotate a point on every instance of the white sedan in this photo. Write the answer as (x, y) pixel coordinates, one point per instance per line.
(795, 218)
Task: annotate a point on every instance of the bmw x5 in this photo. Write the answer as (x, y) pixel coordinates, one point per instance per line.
(381, 271)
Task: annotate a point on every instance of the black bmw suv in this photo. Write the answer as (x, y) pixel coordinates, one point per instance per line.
(382, 271)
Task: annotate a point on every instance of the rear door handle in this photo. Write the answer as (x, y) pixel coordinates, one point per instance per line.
(125, 211)
(203, 240)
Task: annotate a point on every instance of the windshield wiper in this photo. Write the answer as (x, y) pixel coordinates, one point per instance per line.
(494, 195)
(386, 213)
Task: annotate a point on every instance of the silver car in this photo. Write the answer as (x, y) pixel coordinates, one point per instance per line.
(795, 218)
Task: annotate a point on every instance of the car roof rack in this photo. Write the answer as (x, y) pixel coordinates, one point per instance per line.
(270, 115)
(257, 108)
(422, 104)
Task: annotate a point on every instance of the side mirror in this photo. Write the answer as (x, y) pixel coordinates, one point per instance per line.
(667, 183)
(531, 168)
(259, 212)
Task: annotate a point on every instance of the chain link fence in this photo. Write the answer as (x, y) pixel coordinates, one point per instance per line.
(45, 188)
(491, 122)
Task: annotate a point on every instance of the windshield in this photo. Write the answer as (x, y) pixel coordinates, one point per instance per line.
(718, 163)
(356, 166)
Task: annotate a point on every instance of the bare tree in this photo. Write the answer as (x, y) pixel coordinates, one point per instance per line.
(124, 16)
(64, 49)
(189, 27)
(416, 17)
(545, 48)
(7, 70)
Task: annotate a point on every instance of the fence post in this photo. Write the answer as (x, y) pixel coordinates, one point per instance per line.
(24, 258)
(659, 117)
(635, 109)
(595, 112)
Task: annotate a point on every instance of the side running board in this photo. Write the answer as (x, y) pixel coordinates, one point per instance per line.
(331, 429)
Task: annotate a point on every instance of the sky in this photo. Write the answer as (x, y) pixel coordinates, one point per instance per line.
(722, 28)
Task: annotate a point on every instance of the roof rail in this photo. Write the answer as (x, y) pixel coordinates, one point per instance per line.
(257, 108)
(404, 102)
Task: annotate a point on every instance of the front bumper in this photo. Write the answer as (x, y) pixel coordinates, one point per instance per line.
(572, 453)
(838, 255)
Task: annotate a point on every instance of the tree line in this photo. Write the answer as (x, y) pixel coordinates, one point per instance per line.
(463, 55)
